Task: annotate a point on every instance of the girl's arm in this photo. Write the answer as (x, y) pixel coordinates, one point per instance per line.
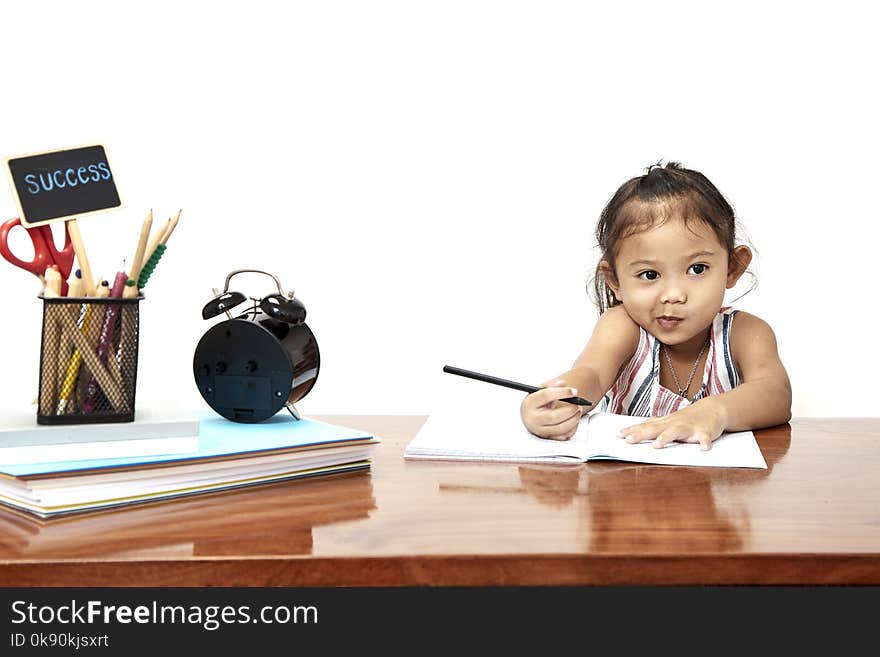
(762, 399)
(613, 342)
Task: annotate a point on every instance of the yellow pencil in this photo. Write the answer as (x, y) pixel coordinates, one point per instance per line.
(72, 369)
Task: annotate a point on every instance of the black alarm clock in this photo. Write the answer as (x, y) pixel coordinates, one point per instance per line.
(249, 367)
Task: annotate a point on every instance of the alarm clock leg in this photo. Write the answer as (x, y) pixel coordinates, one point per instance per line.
(290, 407)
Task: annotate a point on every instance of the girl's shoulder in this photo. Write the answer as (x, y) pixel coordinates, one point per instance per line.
(618, 319)
(746, 322)
(615, 325)
(750, 334)
(614, 340)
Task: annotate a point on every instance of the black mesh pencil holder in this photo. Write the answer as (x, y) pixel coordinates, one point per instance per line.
(88, 360)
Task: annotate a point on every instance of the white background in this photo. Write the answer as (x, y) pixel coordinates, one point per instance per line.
(427, 176)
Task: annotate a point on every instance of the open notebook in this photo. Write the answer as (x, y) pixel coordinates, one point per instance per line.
(498, 435)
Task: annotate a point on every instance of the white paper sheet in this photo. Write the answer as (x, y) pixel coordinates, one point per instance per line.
(482, 432)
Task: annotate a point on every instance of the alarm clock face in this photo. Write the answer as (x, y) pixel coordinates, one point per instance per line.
(248, 370)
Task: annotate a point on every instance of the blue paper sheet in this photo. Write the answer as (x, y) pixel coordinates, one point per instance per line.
(217, 437)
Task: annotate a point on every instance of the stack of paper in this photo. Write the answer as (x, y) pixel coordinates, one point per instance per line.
(154, 431)
(230, 455)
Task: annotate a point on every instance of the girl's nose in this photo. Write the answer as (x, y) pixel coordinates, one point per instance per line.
(673, 294)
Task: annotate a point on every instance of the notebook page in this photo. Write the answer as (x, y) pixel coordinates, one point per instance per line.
(481, 433)
(731, 450)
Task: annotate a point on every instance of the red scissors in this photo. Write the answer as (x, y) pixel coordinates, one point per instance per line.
(45, 252)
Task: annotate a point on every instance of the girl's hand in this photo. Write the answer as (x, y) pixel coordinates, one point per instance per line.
(698, 423)
(547, 417)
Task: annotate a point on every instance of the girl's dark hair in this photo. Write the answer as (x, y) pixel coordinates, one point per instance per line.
(642, 201)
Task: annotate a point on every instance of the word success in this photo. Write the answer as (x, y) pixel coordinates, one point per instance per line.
(70, 177)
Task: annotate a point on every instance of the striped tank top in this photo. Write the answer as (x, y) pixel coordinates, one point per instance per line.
(637, 390)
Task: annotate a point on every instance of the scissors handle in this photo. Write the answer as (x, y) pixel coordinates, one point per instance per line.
(45, 253)
(64, 257)
(42, 258)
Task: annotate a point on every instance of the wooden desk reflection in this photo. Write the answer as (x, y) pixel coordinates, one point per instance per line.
(638, 508)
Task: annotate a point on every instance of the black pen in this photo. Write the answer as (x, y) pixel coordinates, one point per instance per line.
(508, 384)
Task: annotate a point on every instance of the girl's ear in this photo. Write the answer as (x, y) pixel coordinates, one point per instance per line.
(739, 262)
(610, 278)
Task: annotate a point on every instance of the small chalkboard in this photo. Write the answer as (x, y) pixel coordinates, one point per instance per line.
(62, 184)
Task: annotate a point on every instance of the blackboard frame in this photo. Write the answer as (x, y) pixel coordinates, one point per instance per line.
(62, 217)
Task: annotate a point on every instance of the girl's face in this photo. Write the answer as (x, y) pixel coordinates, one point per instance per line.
(671, 279)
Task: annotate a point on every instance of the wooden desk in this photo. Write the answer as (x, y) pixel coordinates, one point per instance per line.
(813, 517)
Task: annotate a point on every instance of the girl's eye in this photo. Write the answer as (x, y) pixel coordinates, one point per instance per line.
(698, 269)
(649, 275)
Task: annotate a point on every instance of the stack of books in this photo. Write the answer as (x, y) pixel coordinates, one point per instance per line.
(254, 520)
(228, 455)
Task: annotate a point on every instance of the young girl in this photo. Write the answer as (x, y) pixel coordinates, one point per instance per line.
(664, 347)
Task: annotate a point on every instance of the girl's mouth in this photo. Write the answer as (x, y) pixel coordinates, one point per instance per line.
(669, 322)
